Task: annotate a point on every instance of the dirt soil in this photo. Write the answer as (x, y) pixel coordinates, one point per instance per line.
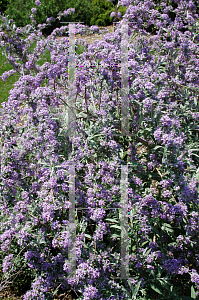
(9, 294)
(92, 38)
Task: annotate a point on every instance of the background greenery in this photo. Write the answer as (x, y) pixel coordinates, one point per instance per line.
(5, 86)
(3, 5)
(91, 12)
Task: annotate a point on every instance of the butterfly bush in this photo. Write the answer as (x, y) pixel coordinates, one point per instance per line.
(160, 152)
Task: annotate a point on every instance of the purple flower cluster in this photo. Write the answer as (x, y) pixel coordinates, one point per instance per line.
(65, 13)
(37, 2)
(7, 263)
(6, 74)
(34, 10)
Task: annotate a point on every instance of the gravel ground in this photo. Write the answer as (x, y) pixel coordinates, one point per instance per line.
(94, 37)
(91, 38)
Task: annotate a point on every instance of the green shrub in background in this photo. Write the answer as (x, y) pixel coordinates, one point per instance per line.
(102, 18)
(91, 12)
(87, 11)
(84, 10)
(3, 5)
(20, 11)
(102, 13)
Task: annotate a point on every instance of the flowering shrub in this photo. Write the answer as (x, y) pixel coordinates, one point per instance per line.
(160, 151)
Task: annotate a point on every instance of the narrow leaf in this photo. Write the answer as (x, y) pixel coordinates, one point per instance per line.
(193, 293)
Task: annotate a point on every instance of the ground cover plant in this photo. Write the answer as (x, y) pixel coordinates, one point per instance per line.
(160, 153)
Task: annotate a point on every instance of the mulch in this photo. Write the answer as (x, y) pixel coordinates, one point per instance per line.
(9, 294)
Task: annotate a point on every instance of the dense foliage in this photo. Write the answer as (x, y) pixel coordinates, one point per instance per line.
(3, 5)
(161, 155)
(91, 12)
